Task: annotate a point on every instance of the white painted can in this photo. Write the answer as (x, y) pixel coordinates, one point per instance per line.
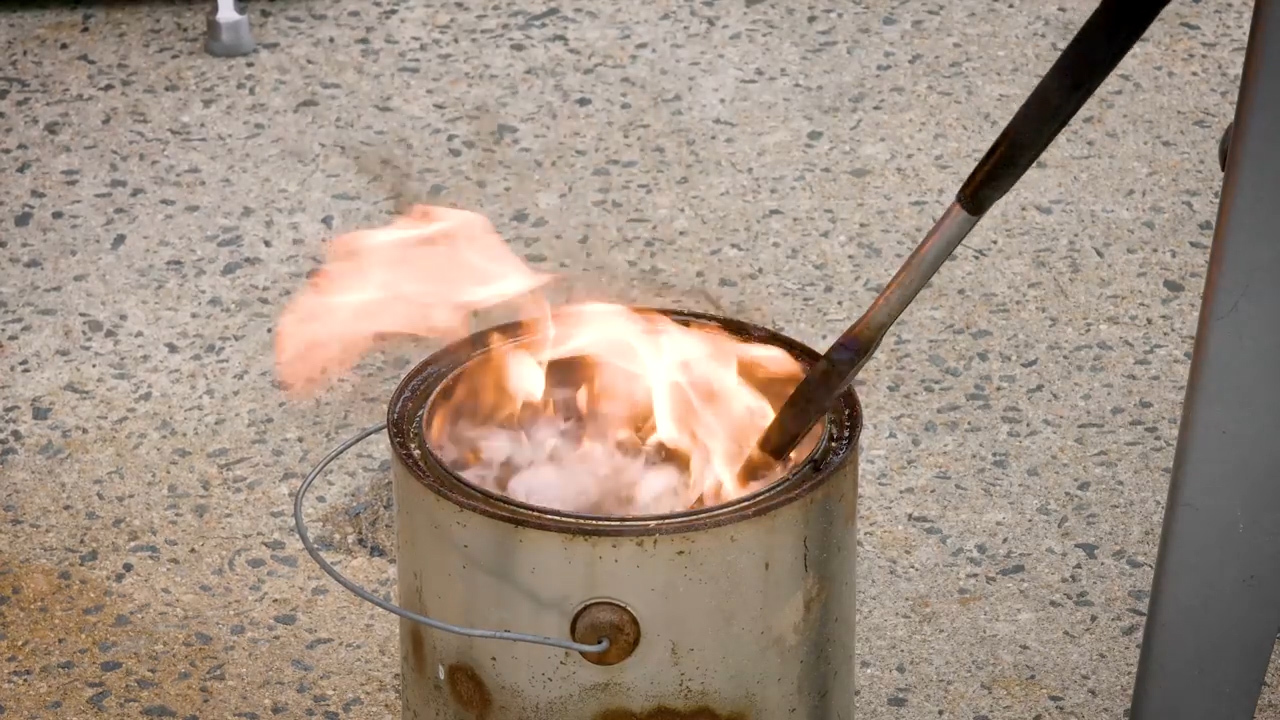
(745, 610)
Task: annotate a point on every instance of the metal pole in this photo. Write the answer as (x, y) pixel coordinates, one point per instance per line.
(1215, 601)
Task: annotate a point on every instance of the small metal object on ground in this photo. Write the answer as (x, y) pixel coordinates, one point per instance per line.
(739, 611)
(1215, 598)
(227, 32)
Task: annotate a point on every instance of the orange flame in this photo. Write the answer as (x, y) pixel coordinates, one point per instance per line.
(654, 389)
(421, 275)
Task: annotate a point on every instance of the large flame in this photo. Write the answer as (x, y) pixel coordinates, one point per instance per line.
(607, 408)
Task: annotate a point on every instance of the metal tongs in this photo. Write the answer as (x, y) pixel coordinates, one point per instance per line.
(1099, 46)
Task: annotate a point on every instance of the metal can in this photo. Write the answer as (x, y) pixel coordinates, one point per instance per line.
(743, 610)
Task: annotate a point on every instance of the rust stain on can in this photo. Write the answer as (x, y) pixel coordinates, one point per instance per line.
(609, 620)
(417, 647)
(468, 690)
(667, 713)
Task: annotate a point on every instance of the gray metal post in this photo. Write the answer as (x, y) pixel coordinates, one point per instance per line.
(227, 31)
(1215, 600)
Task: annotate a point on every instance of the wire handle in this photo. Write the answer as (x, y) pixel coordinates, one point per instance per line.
(372, 599)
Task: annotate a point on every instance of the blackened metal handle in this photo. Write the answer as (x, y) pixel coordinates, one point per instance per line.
(833, 372)
(392, 608)
(1102, 42)
(1099, 46)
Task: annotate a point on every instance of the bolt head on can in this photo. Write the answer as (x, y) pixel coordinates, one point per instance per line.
(609, 620)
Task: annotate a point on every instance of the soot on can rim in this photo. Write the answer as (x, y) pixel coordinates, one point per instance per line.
(412, 403)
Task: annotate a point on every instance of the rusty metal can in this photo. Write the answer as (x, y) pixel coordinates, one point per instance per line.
(743, 610)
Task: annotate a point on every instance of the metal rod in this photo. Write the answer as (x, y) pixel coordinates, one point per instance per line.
(835, 369)
(1102, 42)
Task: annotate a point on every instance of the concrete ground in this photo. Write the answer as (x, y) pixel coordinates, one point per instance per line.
(775, 159)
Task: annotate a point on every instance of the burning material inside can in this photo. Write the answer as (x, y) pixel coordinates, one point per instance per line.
(599, 408)
(613, 411)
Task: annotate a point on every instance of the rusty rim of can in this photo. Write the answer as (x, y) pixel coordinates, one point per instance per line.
(409, 404)
(606, 620)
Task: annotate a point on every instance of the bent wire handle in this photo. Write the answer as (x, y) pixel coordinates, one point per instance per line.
(369, 597)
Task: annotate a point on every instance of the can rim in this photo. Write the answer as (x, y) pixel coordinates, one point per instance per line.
(409, 404)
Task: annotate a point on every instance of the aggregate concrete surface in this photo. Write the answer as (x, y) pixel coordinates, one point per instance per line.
(770, 158)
